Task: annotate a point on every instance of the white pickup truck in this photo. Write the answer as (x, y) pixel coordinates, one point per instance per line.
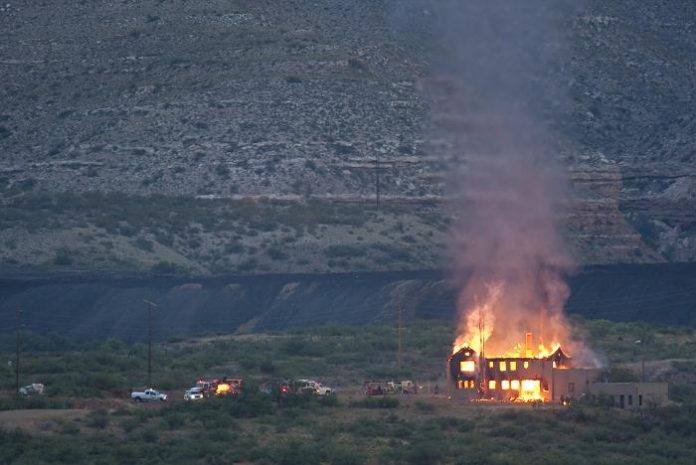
(148, 395)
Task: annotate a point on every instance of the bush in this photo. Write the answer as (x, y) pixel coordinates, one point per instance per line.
(98, 419)
(375, 402)
(222, 170)
(165, 268)
(174, 421)
(424, 407)
(345, 455)
(295, 453)
(344, 251)
(276, 254)
(267, 366)
(63, 257)
(129, 424)
(144, 244)
(685, 393)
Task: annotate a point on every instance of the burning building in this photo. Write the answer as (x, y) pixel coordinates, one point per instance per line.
(523, 377)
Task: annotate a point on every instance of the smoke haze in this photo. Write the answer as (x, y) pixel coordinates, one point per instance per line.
(492, 113)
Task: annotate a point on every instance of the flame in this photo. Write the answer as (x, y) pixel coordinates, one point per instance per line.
(507, 321)
(530, 391)
(223, 389)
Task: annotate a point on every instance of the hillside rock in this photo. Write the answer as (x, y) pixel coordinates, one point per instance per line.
(327, 99)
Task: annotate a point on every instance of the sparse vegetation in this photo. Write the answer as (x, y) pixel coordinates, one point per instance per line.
(198, 231)
(343, 429)
(63, 257)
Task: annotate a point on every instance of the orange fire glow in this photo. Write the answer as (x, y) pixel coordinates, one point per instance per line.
(223, 389)
(495, 321)
(530, 391)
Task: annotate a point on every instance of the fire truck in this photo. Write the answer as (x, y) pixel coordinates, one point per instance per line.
(219, 387)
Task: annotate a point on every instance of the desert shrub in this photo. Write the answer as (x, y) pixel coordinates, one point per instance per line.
(98, 419)
(343, 454)
(685, 393)
(424, 407)
(248, 265)
(392, 252)
(267, 366)
(375, 403)
(164, 267)
(426, 453)
(234, 248)
(296, 452)
(129, 424)
(276, 254)
(144, 244)
(222, 170)
(70, 428)
(63, 257)
(344, 251)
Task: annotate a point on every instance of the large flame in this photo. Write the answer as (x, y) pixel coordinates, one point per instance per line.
(503, 320)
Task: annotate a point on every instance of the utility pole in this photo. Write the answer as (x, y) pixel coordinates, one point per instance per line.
(641, 343)
(150, 306)
(377, 180)
(398, 336)
(18, 318)
(483, 386)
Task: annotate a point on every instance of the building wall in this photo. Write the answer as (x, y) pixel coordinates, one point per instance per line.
(503, 380)
(572, 383)
(504, 377)
(632, 395)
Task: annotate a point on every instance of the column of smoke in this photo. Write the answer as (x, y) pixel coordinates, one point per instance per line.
(494, 94)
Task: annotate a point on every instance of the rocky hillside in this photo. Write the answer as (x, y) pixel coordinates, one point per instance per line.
(249, 136)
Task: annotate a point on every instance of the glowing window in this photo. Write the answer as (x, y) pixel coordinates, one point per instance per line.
(515, 384)
(526, 364)
(491, 384)
(554, 364)
(505, 384)
(466, 384)
(513, 366)
(467, 366)
(490, 364)
(503, 366)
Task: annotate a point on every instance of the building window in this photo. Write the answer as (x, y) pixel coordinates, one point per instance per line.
(503, 366)
(490, 364)
(491, 384)
(630, 399)
(525, 364)
(467, 366)
(515, 384)
(640, 400)
(571, 387)
(622, 400)
(505, 385)
(513, 366)
(466, 384)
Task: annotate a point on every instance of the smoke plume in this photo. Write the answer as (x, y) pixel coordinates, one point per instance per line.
(492, 106)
